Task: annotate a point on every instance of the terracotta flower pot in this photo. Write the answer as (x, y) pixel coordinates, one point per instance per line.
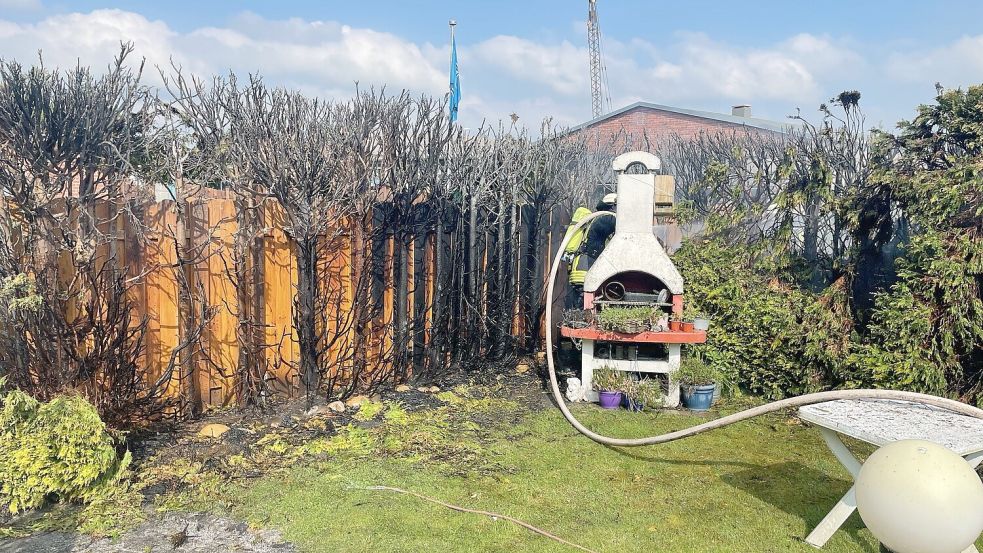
(687, 326)
(675, 325)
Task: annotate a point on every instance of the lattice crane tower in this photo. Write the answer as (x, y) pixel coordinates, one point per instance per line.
(600, 98)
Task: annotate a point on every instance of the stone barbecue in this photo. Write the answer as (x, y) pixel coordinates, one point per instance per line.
(634, 271)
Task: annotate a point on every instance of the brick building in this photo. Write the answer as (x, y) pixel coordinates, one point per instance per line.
(643, 126)
(645, 123)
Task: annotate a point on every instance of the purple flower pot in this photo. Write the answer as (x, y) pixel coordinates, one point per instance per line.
(609, 399)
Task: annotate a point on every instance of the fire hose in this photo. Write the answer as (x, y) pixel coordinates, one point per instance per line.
(798, 401)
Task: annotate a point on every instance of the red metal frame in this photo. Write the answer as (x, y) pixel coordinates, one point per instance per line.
(669, 337)
(677, 305)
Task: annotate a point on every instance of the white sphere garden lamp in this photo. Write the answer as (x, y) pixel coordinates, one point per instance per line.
(916, 496)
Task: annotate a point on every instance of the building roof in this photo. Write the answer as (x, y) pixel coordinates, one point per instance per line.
(754, 122)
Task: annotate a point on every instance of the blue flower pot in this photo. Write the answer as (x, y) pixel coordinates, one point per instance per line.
(631, 405)
(698, 398)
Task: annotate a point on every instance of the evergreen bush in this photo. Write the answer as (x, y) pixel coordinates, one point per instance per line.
(767, 338)
(57, 450)
(894, 299)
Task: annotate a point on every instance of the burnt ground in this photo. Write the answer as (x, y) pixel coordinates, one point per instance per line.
(289, 420)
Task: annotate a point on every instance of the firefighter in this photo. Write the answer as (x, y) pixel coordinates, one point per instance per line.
(600, 230)
(584, 247)
(575, 273)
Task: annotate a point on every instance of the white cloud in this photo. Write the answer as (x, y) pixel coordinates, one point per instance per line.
(693, 69)
(562, 67)
(92, 38)
(734, 74)
(337, 55)
(822, 54)
(315, 56)
(957, 63)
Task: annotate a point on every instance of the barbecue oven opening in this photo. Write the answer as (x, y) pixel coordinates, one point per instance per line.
(635, 287)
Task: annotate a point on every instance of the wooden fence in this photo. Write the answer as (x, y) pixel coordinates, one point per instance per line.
(212, 226)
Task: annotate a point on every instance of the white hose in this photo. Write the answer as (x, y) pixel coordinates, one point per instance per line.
(952, 405)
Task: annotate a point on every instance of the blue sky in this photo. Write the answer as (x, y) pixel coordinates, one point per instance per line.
(530, 57)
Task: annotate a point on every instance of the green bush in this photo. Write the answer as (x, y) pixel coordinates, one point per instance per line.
(57, 450)
(766, 337)
(910, 245)
(779, 340)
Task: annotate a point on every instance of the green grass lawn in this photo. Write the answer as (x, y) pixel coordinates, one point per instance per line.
(757, 486)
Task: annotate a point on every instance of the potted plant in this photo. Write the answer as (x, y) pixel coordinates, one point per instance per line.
(686, 326)
(642, 393)
(609, 318)
(659, 320)
(629, 320)
(675, 323)
(609, 384)
(701, 322)
(697, 382)
(578, 318)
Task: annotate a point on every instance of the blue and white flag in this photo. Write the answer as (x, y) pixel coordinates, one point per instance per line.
(455, 81)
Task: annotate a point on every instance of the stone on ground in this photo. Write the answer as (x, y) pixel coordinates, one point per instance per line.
(337, 407)
(213, 430)
(403, 388)
(356, 401)
(321, 410)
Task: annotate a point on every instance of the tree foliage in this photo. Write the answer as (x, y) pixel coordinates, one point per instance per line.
(864, 255)
(767, 337)
(930, 322)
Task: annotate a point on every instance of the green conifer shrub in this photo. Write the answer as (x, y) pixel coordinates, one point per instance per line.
(58, 450)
